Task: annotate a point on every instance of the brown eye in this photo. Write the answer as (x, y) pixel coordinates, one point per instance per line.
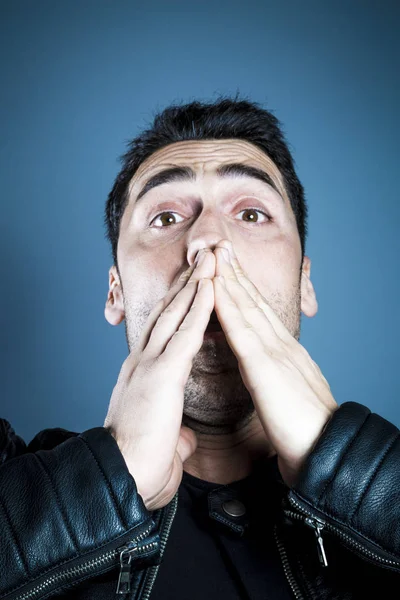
(252, 217)
(165, 219)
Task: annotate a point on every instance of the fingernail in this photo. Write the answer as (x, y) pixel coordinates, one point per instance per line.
(225, 255)
(199, 256)
(231, 250)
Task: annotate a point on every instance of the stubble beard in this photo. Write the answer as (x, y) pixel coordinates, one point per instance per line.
(217, 403)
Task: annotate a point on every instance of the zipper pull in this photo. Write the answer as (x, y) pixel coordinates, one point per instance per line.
(318, 527)
(124, 580)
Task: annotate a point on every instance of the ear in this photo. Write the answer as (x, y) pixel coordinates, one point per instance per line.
(114, 310)
(309, 304)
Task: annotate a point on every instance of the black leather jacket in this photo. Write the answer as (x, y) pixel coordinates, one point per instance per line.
(72, 521)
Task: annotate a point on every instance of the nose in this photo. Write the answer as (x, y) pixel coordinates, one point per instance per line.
(224, 243)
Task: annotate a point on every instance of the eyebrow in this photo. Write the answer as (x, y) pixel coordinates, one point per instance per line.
(187, 174)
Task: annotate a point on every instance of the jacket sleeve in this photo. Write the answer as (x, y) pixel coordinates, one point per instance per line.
(67, 513)
(351, 483)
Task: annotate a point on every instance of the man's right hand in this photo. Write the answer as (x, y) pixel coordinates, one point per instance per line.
(146, 406)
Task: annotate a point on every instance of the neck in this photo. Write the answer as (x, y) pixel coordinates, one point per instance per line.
(226, 458)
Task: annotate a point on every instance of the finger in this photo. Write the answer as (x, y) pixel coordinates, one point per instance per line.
(204, 268)
(242, 337)
(187, 443)
(263, 321)
(186, 337)
(184, 317)
(238, 309)
(232, 271)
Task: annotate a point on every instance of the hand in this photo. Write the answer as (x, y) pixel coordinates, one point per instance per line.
(146, 406)
(292, 397)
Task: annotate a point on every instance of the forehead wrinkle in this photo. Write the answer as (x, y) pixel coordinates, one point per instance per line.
(186, 153)
(190, 149)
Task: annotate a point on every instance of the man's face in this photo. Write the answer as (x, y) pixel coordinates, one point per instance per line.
(162, 230)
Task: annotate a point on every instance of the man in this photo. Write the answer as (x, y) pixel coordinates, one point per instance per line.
(225, 467)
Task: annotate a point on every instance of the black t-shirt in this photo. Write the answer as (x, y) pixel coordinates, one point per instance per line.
(221, 545)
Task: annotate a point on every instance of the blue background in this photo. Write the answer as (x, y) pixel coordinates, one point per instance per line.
(80, 78)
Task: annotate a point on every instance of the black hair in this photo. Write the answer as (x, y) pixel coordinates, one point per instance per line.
(226, 118)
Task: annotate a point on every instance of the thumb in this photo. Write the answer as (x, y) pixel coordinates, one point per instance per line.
(187, 443)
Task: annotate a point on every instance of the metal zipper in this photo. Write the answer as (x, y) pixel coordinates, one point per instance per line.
(125, 559)
(286, 567)
(151, 575)
(108, 557)
(318, 524)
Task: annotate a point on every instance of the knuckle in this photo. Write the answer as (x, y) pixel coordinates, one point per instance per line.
(192, 282)
(162, 371)
(184, 277)
(195, 304)
(160, 304)
(167, 312)
(145, 368)
(277, 354)
(182, 329)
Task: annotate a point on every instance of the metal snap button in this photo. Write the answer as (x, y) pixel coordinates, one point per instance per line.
(234, 508)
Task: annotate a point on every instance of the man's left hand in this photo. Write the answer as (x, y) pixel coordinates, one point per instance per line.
(291, 396)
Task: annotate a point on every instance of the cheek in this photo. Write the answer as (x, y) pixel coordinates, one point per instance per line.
(145, 281)
(286, 258)
(275, 270)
